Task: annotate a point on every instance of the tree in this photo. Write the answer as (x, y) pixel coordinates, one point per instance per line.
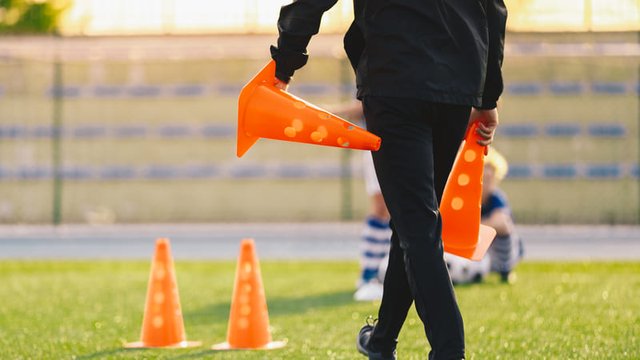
(31, 16)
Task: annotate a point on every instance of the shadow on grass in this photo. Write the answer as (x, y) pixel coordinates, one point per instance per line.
(293, 305)
(277, 306)
(104, 354)
(195, 353)
(208, 354)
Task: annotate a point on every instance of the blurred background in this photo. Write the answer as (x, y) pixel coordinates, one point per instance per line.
(125, 112)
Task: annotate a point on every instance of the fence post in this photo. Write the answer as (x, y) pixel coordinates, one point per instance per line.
(346, 176)
(56, 141)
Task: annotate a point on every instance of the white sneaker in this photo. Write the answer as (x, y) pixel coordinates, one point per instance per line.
(369, 291)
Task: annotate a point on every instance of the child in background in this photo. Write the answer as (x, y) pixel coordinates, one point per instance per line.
(376, 234)
(505, 251)
(507, 248)
(376, 238)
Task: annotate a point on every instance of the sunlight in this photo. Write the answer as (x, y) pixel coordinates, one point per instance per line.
(573, 15)
(123, 17)
(98, 17)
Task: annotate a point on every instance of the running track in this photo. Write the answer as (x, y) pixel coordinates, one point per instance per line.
(322, 241)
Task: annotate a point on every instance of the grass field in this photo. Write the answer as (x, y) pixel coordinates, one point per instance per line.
(87, 310)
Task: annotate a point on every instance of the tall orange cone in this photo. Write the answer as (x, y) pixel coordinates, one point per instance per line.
(265, 111)
(162, 326)
(462, 233)
(249, 318)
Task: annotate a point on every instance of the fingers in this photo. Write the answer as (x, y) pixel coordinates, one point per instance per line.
(487, 123)
(280, 84)
(485, 131)
(486, 134)
(485, 142)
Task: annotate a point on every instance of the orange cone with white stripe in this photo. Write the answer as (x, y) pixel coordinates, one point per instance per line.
(462, 233)
(249, 318)
(162, 326)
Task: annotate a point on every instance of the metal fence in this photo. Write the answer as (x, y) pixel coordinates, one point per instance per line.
(105, 130)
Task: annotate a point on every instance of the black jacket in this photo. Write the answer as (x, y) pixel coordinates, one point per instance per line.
(447, 51)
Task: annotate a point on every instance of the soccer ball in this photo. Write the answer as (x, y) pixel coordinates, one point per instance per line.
(463, 271)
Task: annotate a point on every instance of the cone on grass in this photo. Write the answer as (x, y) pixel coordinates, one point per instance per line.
(162, 325)
(462, 233)
(249, 318)
(265, 111)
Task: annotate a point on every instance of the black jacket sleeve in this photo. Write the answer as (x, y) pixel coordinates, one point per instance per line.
(298, 21)
(493, 86)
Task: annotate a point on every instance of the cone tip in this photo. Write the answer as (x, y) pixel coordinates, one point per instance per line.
(247, 242)
(377, 144)
(162, 242)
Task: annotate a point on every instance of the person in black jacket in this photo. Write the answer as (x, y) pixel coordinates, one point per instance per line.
(424, 70)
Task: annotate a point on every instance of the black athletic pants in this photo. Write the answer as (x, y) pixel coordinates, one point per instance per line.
(419, 144)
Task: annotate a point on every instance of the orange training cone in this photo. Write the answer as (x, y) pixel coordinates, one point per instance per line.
(265, 111)
(162, 326)
(249, 318)
(462, 233)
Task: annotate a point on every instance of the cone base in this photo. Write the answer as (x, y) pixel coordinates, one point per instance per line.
(476, 253)
(270, 346)
(244, 143)
(180, 345)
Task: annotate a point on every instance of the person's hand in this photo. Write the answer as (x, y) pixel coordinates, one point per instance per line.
(280, 84)
(487, 124)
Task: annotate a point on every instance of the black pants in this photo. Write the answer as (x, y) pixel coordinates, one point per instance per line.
(419, 144)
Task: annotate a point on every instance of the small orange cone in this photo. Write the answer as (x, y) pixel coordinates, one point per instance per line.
(265, 111)
(462, 233)
(248, 318)
(162, 326)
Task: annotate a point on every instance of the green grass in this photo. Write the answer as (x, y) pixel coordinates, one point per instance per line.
(86, 310)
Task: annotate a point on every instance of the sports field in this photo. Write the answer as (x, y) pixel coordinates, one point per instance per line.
(149, 137)
(87, 310)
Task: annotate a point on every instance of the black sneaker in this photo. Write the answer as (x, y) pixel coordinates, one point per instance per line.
(362, 343)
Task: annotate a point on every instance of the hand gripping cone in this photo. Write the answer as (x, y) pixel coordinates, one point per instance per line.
(265, 111)
(162, 326)
(248, 319)
(462, 233)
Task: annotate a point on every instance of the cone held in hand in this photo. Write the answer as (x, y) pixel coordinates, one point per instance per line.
(248, 319)
(265, 111)
(162, 326)
(462, 233)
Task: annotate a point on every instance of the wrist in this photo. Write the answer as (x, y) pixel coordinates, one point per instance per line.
(487, 106)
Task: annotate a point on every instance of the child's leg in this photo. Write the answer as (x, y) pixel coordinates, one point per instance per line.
(504, 253)
(374, 248)
(376, 234)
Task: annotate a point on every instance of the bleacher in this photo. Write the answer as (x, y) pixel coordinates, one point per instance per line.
(136, 135)
(576, 130)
